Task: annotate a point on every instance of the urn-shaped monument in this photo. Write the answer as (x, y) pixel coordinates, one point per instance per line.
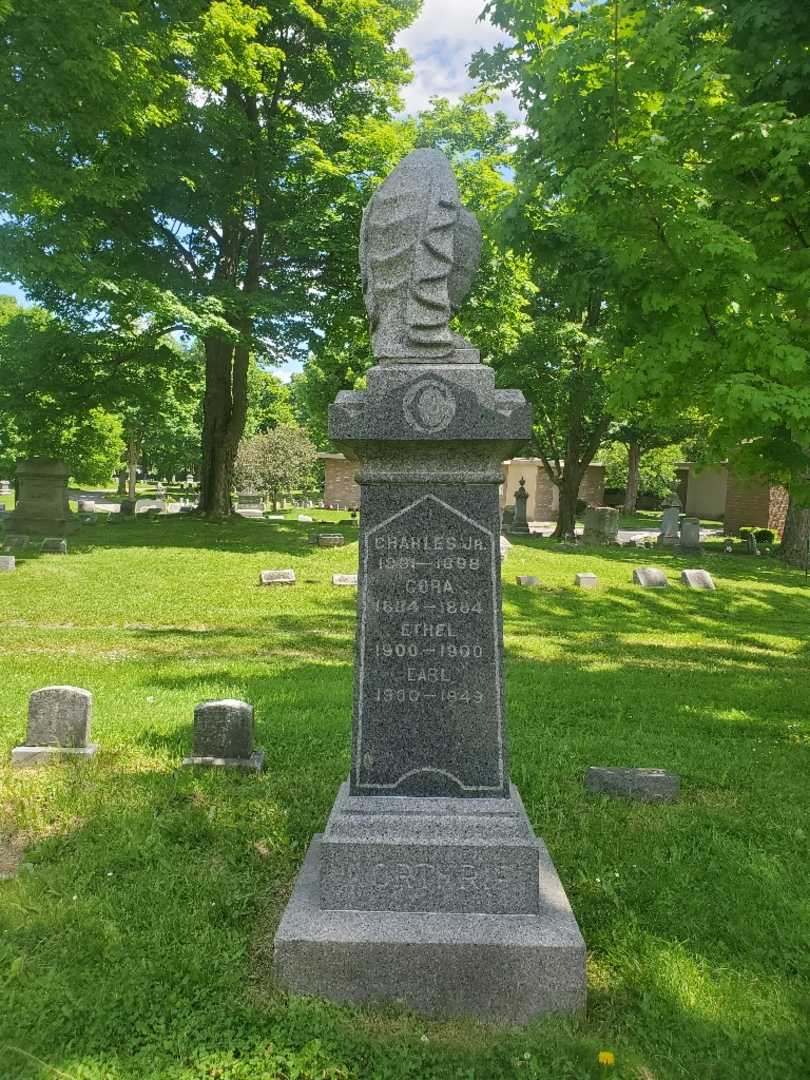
(428, 885)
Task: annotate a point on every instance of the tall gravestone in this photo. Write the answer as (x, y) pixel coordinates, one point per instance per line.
(520, 522)
(428, 885)
(42, 507)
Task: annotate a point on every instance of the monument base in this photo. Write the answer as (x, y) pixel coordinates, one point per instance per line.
(27, 756)
(503, 968)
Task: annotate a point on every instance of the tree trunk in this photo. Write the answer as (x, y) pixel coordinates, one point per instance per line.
(569, 495)
(224, 412)
(122, 482)
(132, 468)
(796, 538)
(633, 477)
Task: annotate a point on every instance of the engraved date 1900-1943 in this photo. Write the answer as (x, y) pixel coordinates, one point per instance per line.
(452, 696)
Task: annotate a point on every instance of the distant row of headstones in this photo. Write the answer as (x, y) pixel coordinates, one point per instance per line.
(223, 736)
(648, 577)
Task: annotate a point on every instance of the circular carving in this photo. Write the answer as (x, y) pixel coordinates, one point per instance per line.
(429, 406)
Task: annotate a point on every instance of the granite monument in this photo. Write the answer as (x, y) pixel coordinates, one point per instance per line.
(42, 507)
(428, 885)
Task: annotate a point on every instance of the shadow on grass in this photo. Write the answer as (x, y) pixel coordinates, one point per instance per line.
(236, 534)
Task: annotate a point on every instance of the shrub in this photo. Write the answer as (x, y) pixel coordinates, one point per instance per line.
(765, 536)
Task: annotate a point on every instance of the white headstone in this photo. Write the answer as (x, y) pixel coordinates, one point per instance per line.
(277, 577)
(649, 577)
(528, 581)
(586, 581)
(697, 579)
(344, 579)
(7, 563)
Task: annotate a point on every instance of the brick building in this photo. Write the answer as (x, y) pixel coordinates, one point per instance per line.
(717, 492)
(341, 489)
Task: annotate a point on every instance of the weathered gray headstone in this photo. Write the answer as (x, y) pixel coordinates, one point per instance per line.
(646, 785)
(58, 726)
(528, 581)
(690, 533)
(7, 563)
(344, 579)
(670, 522)
(601, 525)
(5, 487)
(424, 886)
(223, 736)
(520, 522)
(505, 546)
(751, 544)
(86, 506)
(277, 577)
(328, 540)
(586, 581)
(42, 507)
(649, 577)
(697, 579)
(53, 545)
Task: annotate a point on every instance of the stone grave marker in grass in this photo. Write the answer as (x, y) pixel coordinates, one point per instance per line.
(344, 579)
(586, 581)
(428, 886)
(58, 726)
(7, 563)
(697, 579)
(277, 577)
(223, 737)
(649, 577)
(528, 581)
(645, 785)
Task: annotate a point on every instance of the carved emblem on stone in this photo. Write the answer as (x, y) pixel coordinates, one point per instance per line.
(419, 251)
(429, 406)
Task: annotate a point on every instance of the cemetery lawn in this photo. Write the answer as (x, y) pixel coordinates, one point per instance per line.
(139, 902)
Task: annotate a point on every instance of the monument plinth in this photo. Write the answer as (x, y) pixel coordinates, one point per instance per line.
(428, 885)
(42, 506)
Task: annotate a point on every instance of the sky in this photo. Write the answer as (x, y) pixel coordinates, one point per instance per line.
(441, 42)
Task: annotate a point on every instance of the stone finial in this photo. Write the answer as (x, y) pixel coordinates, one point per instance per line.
(419, 251)
(58, 726)
(223, 736)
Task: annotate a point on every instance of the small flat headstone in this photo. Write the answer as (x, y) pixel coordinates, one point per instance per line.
(7, 563)
(327, 540)
(649, 577)
(277, 577)
(304, 517)
(697, 579)
(53, 545)
(586, 581)
(528, 581)
(223, 736)
(274, 517)
(344, 579)
(58, 726)
(645, 785)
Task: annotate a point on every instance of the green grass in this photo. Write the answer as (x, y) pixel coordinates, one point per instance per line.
(136, 936)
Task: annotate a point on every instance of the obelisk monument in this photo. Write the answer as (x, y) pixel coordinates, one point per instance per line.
(428, 885)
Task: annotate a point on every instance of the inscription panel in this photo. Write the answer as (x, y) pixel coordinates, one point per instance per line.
(430, 879)
(428, 698)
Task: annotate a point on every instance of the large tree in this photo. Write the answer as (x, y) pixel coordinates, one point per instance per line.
(189, 162)
(676, 134)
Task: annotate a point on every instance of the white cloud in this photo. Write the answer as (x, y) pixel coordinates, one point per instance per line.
(441, 43)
